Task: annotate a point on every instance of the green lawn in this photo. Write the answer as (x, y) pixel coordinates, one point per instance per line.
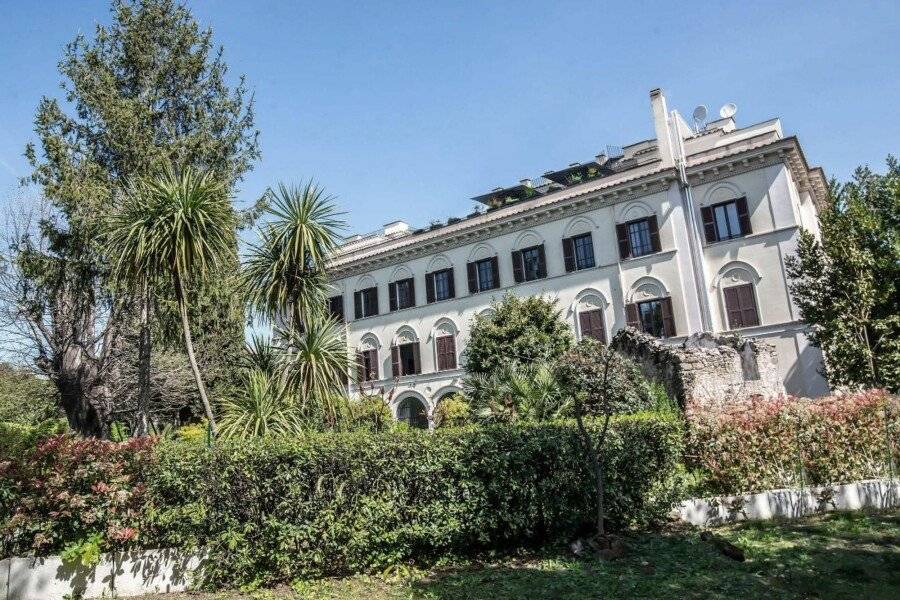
(842, 555)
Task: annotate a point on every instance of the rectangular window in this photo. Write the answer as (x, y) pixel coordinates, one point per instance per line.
(336, 307)
(443, 284)
(403, 294)
(485, 275)
(726, 220)
(405, 359)
(652, 316)
(639, 238)
(740, 304)
(532, 263)
(591, 322)
(583, 246)
(365, 302)
(446, 352)
(368, 363)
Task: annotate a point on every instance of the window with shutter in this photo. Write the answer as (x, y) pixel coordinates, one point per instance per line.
(403, 294)
(642, 236)
(726, 220)
(624, 246)
(740, 304)
(365, 302)
(632, 319)
(591, 323)
(569, 254)
(484, 275)
(446, 352)
(582, 247)
(336, 307)
(367, 365)
(472, 274)
(518, 267)
(406, 359)
(654, 317)
(439, 285)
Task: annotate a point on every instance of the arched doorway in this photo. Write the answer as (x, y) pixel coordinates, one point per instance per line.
(413, 412)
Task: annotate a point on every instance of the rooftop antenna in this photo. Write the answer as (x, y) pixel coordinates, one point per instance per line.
(700, 114)
(728, 111)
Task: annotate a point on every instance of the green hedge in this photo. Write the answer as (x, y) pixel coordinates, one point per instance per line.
(335, 504)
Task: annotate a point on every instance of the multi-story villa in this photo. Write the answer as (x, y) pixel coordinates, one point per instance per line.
(684, 233)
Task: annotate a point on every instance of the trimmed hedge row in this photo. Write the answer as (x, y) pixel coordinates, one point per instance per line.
(331, 504)
(790, 442)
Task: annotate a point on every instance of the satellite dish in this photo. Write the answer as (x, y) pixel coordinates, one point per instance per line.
(728, 111)
(700, 113)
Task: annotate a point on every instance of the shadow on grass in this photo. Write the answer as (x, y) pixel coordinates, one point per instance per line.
(819, 561)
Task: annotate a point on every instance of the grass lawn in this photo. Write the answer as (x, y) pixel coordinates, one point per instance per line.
(841, 555)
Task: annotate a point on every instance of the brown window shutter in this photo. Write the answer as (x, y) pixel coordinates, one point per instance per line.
(542, 262)
(653, 226)
(395, 361)
(450, 347)
(446, 353)
(518, 267)
(439, 346)
(733, 308)
(495, 269)
(473, 277)
(743, 216)
(360, 368)
(584, 321)
(631, 316)
(417, 361)
(709, 224)
(624, 245)
(591, 322)
(451, 285)
(373, 364)
(357, 305)
(373, 305)
(668, 317)
(429, 287)
(569, 254)
(412, 292)
(749, 312)
(392, 296)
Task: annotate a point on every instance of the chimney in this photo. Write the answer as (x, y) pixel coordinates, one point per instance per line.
(661, 124)
(526, 182)
(395, 228)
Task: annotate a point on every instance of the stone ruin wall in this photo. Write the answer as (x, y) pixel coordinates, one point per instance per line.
(706, 371)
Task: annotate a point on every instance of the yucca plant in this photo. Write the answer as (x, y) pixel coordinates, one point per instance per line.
(314, 366)
(284, 272)
(178, 225)
(263, 409)
(260, 353)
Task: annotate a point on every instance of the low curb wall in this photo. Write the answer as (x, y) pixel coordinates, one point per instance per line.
(117, 574)
(870, 494)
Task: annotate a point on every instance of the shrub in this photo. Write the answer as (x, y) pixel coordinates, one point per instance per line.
(452, 412)
(17, 439)
(581, 371)
(517, 393)
(795, 441)
(26, 398)
(331, 504)
(370, 413)
(68, 491)
(518, 330)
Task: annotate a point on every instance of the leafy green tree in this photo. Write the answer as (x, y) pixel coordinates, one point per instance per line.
(581, 371)
(263, 408)
(175, 227)
(845, 284)
(147, 89)
(518, 330)
(24, 397)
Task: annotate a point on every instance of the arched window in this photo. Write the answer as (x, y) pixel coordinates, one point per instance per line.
(650, 309)
(591, 321)
(737, 282)
(413, 412)
(445, 345)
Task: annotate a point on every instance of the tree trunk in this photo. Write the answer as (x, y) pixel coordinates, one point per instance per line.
(141, 425)
(594, 457)
(189, 346)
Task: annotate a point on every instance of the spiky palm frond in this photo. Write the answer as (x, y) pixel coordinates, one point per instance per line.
(284, 272)
(263, 409)
(512, 393)
(314, 364)
(260, 353)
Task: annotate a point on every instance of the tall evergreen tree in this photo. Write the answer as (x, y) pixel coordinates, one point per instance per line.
(846, 283)
(147, 90)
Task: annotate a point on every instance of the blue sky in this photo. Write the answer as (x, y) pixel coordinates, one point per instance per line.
(406, 110)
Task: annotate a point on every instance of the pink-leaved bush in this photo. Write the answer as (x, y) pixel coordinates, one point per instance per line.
(790, 442)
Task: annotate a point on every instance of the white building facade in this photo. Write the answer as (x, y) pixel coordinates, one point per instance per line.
(680, 234)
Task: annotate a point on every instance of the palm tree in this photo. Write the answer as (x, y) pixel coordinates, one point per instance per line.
(314, 367)
(513, 393)
(285, 272)
(262, 409)
(178, 225)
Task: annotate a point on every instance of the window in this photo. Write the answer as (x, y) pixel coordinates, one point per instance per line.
(402, 294)
(483, 275)
(412, 412)
(638, 238)
(405, 359)
(336, 307)
(726, 221)
(578, 252)
(652, 316)
(591, 323)
(439, 285)
(529, 264)
(367, 365)
(740, 304)
(365, 302)
(446, 352)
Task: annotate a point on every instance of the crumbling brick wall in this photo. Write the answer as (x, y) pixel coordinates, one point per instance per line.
(706, 370)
